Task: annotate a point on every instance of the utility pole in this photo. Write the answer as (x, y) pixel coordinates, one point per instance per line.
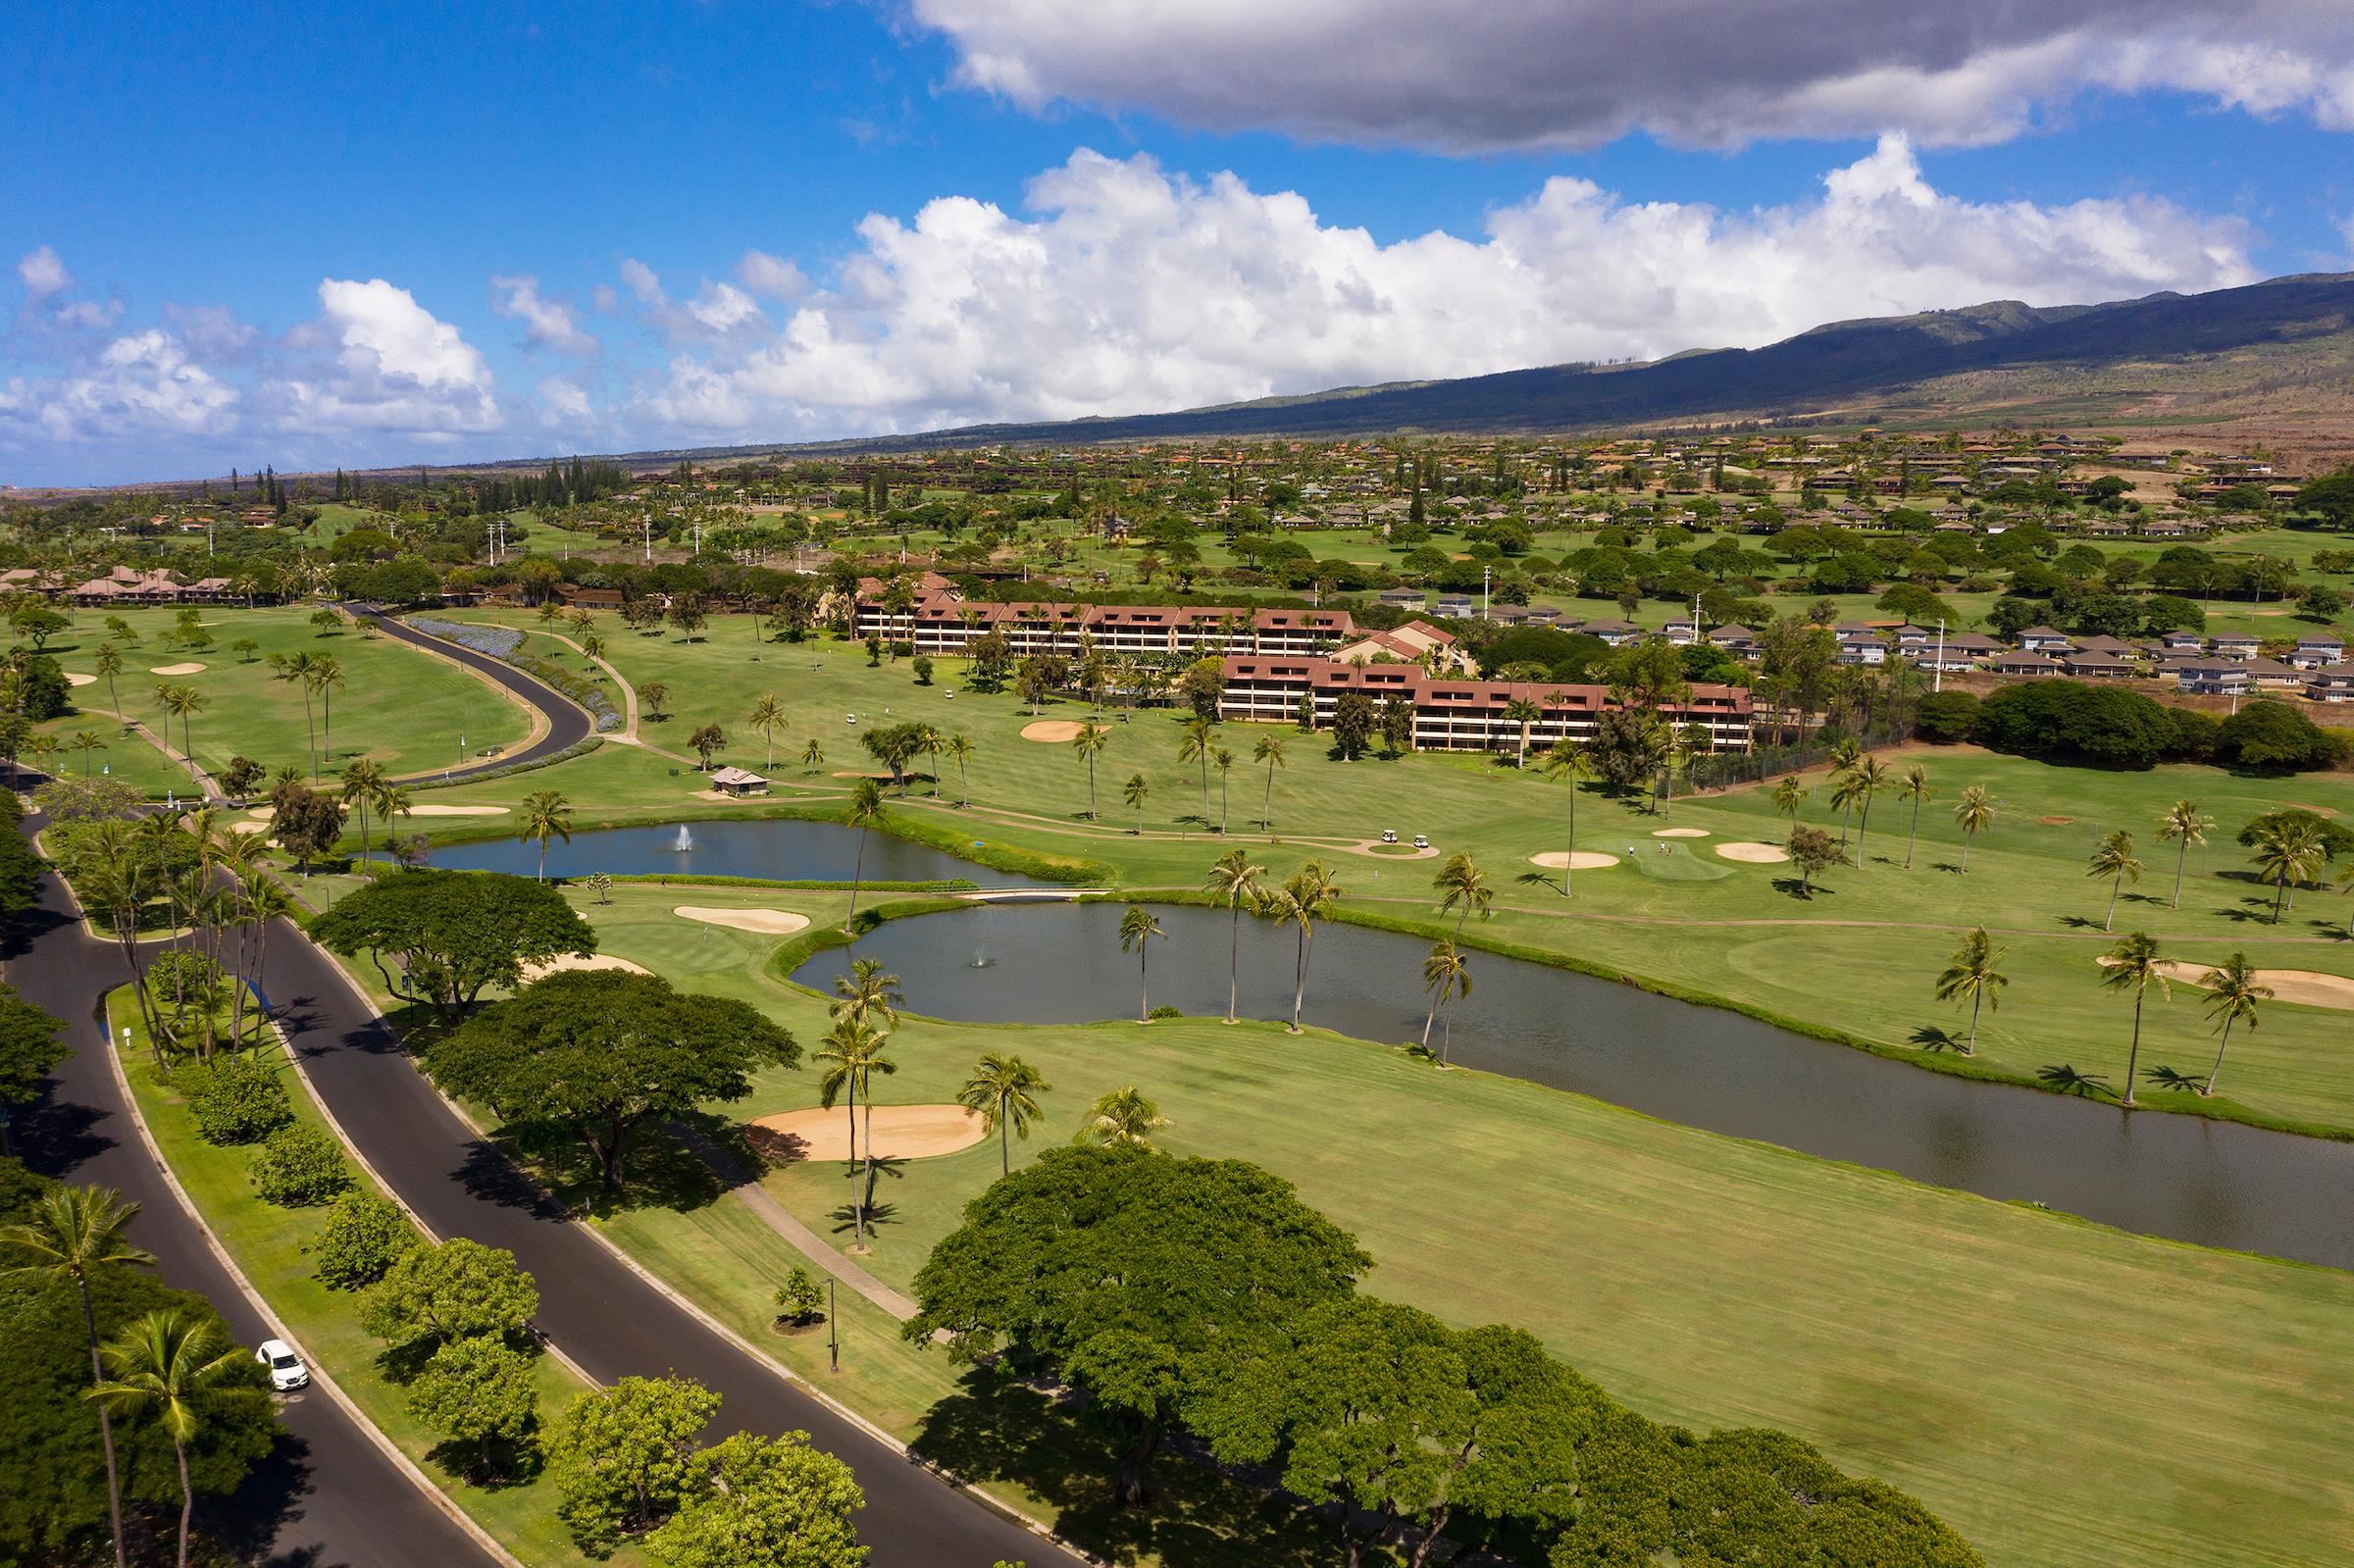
(1940, 681)
(832, 1323)
(649, 539)
(1484, 573)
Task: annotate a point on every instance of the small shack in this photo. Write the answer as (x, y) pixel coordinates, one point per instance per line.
(739, 782)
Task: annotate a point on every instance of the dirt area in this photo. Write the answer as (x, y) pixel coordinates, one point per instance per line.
(1050, 730)
(1381, 851)
(457, 811)
(1754, 854)
(175, 669)
(1573, 860)
(901, 1133)
(2054, 821)
(767, 922)
(570, 961)
(1679, 832)
(74, 679)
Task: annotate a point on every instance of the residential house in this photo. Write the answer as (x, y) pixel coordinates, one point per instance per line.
(2045, 639)
(2334, 683)
(2211, 678)
(2318, 651)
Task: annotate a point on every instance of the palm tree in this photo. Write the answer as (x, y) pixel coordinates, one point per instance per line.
(1223, 760)
(167, 1363)
(1847, 787)
(2288, 850)
(1003, 1092)
(2113, 859)
(2135, 965)
(1194, 745)
(181, 703)
(866, 809)
(1306, 896)
(1524, 713)
(1133, 792)
(87, 741)
(1233, 879)
(295, 670)
(1122, 1119)
(546, 815)
(960, 752)
(768, 717)
(1138, 928)
(1268, 750)
(2184, 825)
(1975, 813)
(1917, 789)
(109, 665)
(363, 786)
(1970, 974)
(867, 993)
(77, 1234)
(853, 1054)
(1567, 760)
(326, 677)
(1462, 882)
(2232, 992)
(1090, 742)
(1870, 777)
(813, 755)
(1786, 798)
(1444, 972)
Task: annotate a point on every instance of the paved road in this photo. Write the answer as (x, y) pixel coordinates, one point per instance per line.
(568, 724)
(328, 1496)
(603, 1315)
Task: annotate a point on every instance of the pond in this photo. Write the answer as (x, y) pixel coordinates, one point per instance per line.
(775, 849)
(2216, 1184)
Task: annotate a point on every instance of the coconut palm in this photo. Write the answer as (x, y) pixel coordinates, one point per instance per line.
(1133, 792)
(1090, 742)
(167, 1363)
(1847, 788)
(294, 669)
(364, 788)
(2133, 965)
(1269, 750)
(1523, 712)
(1196, 745)
(545, 815)
(1232, 880)
(2184, 825)
(1223, 760)
(1445, 973)
(1122, 1119)
(1974, 814)
(1971, 974)
(2288, 850)
(768, 717)
(960, 751)
(1871, 777)
(87, 741)
(867, 993)
(1306, 896)
(852, 1054)
(1787, 796)
(2115, 860)
(865, 809)
(77, 1234)
(1565, 760)
(1917, 788)
(326, 679)
(109, 664)
(2233, 990)
(1138, 928)
(1460, 882)
(813, 755)
(1003, 1092)
(181, 703)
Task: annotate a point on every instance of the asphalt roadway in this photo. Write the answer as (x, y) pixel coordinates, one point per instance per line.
(568, 724)
(328, 1494)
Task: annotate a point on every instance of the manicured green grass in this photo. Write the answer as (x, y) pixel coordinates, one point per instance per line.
(2064, 1393)
(405, 709)
(1688, 917)
(269, 1243)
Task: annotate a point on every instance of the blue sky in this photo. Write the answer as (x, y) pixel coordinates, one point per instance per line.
(312, 235)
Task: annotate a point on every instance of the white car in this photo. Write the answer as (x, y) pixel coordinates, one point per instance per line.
(286, 1371)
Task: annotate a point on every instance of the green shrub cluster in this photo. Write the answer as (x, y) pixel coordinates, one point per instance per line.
(298, 1167)
(236, 1098)
(364, 1235)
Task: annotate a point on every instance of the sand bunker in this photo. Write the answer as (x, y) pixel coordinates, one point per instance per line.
(457, 811)
(1573, 860)
(1679, 832)
(1050, 730)
(532, 972)
(175, 668)
(1381, 851)
(2308, 987)
(74, 679)
(1754, 854)
(262, 813)
(2054, 821)
(901, 1133)
(767, 922)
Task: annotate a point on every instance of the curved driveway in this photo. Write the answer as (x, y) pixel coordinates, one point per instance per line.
(328, 1496)
(568, 724)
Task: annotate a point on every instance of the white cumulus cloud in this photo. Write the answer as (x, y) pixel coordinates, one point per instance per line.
(394, 367)
(1475, 74)
(546, 322)
(771, 276)
(1127, 289)
(43, 273)
(141, 384)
